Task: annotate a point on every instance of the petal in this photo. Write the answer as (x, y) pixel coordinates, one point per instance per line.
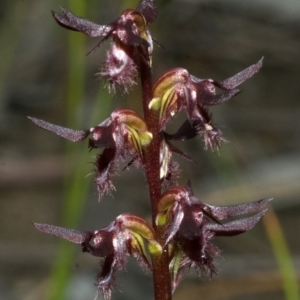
(202, 125)
(174, 225)
(165, 156)
(148, 9)
(169, 79)
(179, 152)
(119, 69)
(235, 227)
(130, 118)
(72, 22)
(169, 94)
(105, 168)
(200, 121)
(69, 134)
(161, 219)
(72, 235)
(201, 253)
(127, 37)
(239, 78)
(120, 246)
(189, 227)
(175, 267)
(169, 197)
(185, 132)
(135, 128)
(138, 141)
(139, 228)
(225, 212)
(137, 225)
(102, 137)
(139, 251)
(210, 100)
(106, 277)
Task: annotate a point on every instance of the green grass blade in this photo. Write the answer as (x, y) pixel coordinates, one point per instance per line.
(282, 255)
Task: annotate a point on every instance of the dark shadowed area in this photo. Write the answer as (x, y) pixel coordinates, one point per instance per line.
(212, 39)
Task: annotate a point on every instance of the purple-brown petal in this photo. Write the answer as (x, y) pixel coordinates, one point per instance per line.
(239, 78)
(128, 37)
(72, 22)
(210, 100)
(199, 121)
(72, 235)
(185, 132)
(100, 244)
(105, 168)
(179, 152)
(200, 253)
(235, 227)
(190, 225)
(102, 137)
(106, 277)
(225, 212)
(69, 134)
(119, 69)
(148, 9)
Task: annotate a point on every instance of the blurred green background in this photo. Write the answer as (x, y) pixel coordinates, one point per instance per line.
(45, 73)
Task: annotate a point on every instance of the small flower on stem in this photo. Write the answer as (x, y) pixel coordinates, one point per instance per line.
(123, 133)
(177, 90)
(122, 238)
(132, 41)
(190, 225)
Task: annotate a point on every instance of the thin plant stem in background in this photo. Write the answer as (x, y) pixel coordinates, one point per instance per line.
(14, 18)
(282, 255)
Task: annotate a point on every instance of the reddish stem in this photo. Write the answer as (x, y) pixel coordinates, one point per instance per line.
(152, 151)
(161, 275)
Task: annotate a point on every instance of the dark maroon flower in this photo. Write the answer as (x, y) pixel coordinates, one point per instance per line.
(122, 238)
(123, 133)
(132, 41)
(190, 225)
(177, 90)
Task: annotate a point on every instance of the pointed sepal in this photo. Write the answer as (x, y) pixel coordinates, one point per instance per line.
(72, 235)
(234, 81)
(69, 134)
(73, 22)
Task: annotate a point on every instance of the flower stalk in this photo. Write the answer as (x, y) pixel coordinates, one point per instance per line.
(161, 274)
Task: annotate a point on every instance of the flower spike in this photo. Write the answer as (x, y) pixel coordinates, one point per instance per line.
(183, 227)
